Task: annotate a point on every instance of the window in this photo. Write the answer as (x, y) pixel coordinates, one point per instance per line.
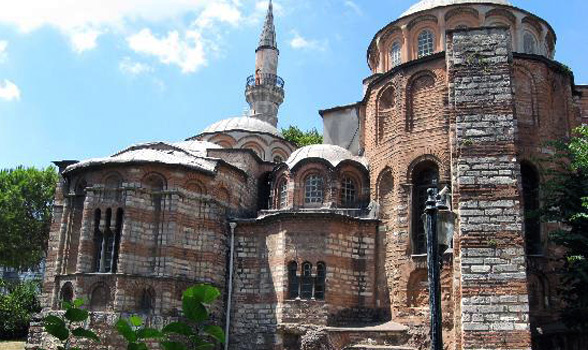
(307, 285)
(425, 43)
(107, 241)
(348, 193)
(293, 285)
(313, 189)
(319, 284)
(531, 205)
(283, 194)
(424, 177)
(67, 293)
(278, 159)
(530, 44)
(147, 302)
(395, 57)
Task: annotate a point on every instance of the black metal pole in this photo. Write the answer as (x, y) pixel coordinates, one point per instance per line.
(434, 270)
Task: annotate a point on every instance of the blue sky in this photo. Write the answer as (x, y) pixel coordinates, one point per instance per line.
(86, 78)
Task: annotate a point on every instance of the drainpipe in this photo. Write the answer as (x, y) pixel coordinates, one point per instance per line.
(233, 225)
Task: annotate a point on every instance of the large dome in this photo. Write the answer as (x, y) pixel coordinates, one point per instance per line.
(429, 4)
(250, 124)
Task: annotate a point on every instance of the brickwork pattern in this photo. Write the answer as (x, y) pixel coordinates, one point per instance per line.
(493, 283)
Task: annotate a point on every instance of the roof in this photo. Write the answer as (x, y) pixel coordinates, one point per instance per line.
(250, 124)
(268, 33)
(424, 5)
(191, 154)
(333, 154)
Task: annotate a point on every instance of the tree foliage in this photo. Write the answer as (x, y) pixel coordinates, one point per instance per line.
(301, 138)
(566, 201)
(18, 301)
(26, 202)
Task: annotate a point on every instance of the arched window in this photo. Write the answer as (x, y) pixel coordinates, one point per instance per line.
(319, 285)
(117, 236)
(426, 43)
(147, 301)
(99, 298)
(531, 204)
(67, 293)
(530, 44)
(98, 240)
(307, 285)
(425, 176)
(395, 55)
(108, 243)
(348, 193)
(293, 285)
(313, 189)
(283, 194)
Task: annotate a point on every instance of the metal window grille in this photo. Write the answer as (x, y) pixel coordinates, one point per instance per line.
(395, 54)
(283, 194)
(348, 192)
(319, 285)
(306, 289)
(313, 189)
(425, 43)
(529, 43)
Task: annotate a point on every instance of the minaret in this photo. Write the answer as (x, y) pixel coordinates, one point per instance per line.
(265, 89)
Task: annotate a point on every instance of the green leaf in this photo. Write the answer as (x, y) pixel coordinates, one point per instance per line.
(199, 344)
(216, 332)
(76, 315)
(85, 333)
(203, 293)
(136, 321)
(56, 327)
(124, 328)
(149, 333)
(65, 305)
(178, 328)
(137, 346)
(78, 302)
(171, 345)
(194, 309)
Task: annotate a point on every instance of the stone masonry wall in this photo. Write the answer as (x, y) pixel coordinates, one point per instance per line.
(489, 247)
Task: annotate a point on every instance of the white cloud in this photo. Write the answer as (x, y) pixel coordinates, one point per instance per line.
(84, 40)
(3, 54)
(218, 12)
(9, 91)
(83, 21)
(127, 65)
(299, 42)
(353, 6)
(187, 51)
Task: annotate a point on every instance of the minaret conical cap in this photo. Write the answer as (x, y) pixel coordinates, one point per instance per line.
(268, 34)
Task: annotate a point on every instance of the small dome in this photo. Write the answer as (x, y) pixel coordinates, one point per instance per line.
(331, 153)
(250, 124)
(430, 4)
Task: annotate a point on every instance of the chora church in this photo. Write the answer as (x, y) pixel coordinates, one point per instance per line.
(324, 247)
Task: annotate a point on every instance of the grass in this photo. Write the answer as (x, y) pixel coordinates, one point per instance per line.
(12, 345)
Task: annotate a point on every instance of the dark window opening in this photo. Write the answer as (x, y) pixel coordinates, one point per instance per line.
(531, 204)
(424, 177)
(319, 284)
(307, 285)
(293, 286)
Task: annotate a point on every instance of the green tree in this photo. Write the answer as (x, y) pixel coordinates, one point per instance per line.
(566, 201)
(301, 138)
(26, 202)
(18, 301)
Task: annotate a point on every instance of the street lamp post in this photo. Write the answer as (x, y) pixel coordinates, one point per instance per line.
(439, 229)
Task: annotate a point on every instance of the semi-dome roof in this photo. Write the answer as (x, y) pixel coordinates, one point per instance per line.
(331, 153)
(429, 4)
(251, 124)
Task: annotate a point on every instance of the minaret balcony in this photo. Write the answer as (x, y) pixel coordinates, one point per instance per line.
(265, 79)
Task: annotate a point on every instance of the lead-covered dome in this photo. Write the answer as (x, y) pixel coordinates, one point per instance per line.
(248, 124)
(424, 5)
(332, 154)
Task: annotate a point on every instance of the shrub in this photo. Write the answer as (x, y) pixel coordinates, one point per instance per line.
(17, 304)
